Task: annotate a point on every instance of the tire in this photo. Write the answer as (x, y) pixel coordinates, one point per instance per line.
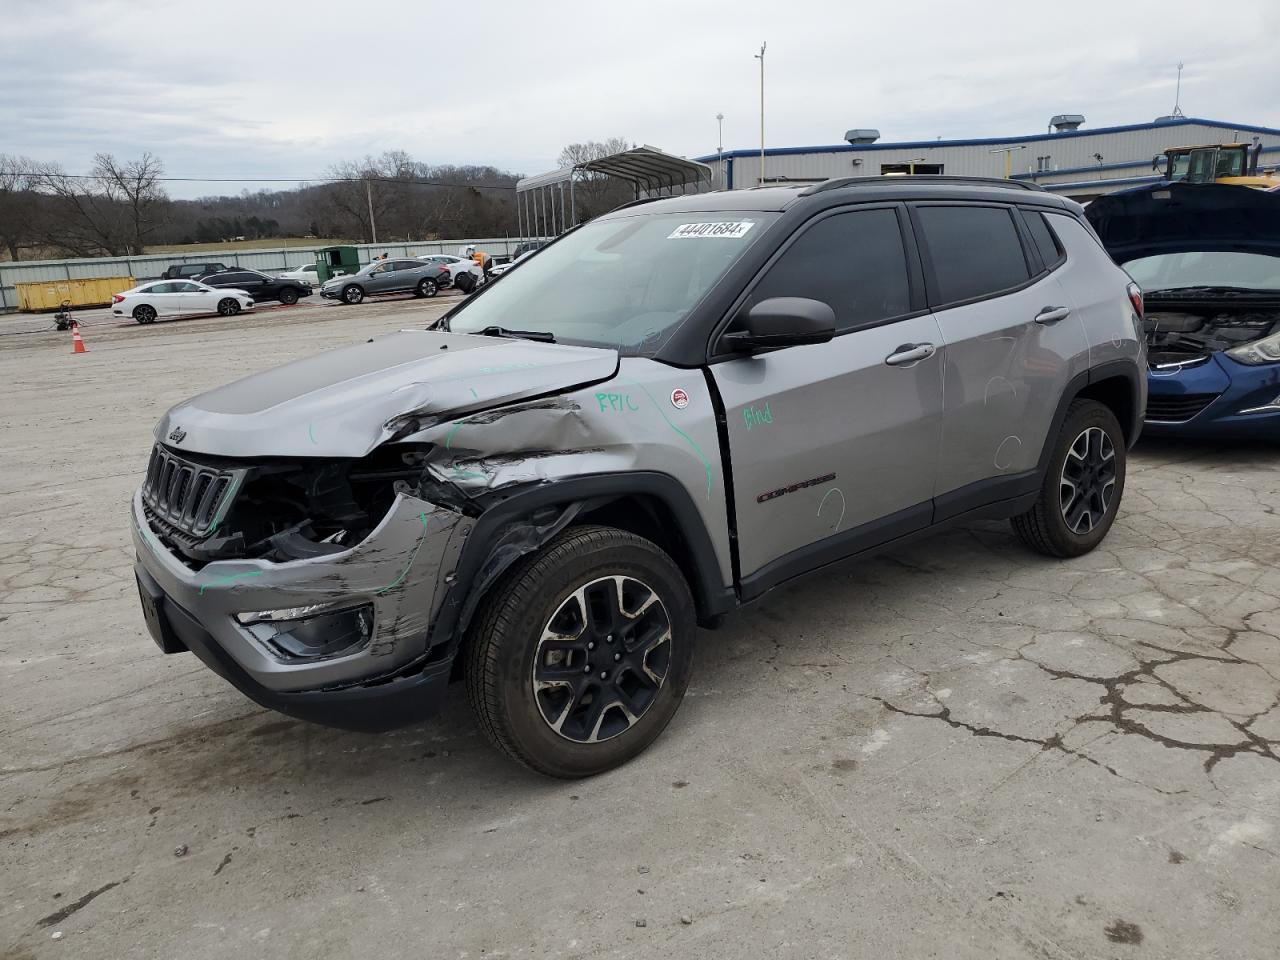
(288, 296)
(466, 282)
(228, 307)
(554, 730)
(352, 294)
(427, 288)
(144, 314)
(1082, 487)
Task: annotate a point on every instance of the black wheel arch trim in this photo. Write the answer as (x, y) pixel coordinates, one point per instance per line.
(1129, 370)
(489, 551)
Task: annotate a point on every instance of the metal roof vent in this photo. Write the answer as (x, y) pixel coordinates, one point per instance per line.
(862, 136)
(1066, 121)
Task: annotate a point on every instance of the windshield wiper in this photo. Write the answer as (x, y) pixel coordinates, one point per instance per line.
(542, 336)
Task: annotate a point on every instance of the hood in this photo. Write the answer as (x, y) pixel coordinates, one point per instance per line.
(1186, 218)
(343, 403)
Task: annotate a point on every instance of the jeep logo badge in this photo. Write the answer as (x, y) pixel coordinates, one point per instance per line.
(178, 435)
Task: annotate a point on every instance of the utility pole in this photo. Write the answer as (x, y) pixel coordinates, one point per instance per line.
(720, 147)
(760, 56)
(368, 195)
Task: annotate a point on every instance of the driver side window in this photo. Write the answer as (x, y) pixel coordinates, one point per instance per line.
(854, 262)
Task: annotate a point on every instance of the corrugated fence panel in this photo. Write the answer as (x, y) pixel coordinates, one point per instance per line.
(268, 261)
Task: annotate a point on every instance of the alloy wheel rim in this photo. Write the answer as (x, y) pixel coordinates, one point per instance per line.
(602, 659)
(1088, 482)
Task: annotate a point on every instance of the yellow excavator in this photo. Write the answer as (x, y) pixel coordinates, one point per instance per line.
(1233, 163)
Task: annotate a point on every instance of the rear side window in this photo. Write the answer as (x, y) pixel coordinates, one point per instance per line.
(975, 251)
(1042, 236)
(854, 262)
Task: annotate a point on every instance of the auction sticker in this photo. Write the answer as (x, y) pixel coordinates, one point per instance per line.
(679, 399)
(726, 230)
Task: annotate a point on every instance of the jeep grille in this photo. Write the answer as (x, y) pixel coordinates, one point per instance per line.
(185, 495)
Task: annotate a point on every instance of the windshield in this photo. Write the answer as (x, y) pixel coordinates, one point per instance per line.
(624, 282)
(1173, 271)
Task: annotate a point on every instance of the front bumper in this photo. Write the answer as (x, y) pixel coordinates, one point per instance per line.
(400, 569)
(1235, 388)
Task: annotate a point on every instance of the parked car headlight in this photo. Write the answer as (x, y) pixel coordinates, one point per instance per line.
(1266, 350)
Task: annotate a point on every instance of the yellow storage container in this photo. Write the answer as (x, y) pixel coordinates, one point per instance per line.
(49, 294)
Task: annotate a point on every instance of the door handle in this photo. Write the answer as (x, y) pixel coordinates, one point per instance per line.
(1052, 314)
(910, 353)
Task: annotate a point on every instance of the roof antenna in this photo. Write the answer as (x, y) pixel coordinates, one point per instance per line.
(1177, 97)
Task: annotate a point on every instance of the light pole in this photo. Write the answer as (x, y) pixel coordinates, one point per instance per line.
(760, 56)
(720, 147)
(1008, 158)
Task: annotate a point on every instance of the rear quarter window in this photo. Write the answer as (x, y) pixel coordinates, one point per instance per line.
(1042, 235)
(974, 251)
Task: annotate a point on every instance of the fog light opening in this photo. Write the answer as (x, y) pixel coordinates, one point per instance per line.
(315, 632)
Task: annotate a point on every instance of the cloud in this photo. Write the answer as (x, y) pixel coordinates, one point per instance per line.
(247, 89)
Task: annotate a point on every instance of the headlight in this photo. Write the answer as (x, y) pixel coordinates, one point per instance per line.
(314, 632)
(1266, 350)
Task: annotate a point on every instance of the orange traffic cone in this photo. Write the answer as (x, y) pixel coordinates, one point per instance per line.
(77, 344)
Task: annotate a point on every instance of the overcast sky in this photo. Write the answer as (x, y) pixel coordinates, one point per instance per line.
(284, 90)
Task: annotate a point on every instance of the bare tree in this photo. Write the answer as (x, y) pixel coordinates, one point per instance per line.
(19, 203)
(370, 182)
(112, 210)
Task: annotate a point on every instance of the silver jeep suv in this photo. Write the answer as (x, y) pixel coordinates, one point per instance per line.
(666, 413)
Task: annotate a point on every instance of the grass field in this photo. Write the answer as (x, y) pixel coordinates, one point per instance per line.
(268, 243)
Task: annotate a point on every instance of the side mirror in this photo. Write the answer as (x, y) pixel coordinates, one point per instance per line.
(782, 322)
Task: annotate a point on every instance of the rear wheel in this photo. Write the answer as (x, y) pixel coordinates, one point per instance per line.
(581, 655)
(352, 294)
(144, 313)
(428, 288)
(228, 306)
(288, 296)
(1082, 488)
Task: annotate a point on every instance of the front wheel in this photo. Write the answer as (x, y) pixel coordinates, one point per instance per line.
(352, 294)
(288, 296)
(581, 655)
(1081, 492)
(228, 307)
(428, 288)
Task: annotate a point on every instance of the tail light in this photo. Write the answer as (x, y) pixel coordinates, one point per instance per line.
(1135, 297)
(117, 298)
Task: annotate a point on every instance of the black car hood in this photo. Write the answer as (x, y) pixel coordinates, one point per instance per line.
(1186, 218)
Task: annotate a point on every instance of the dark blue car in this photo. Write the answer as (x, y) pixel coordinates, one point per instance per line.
(1207, 257)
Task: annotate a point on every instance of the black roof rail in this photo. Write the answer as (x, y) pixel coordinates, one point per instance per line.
(841, 182)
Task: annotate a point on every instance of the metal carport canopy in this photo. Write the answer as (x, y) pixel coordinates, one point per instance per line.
(649, 165)
(647, 168)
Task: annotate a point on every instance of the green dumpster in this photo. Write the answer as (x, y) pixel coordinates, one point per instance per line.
(332, 261)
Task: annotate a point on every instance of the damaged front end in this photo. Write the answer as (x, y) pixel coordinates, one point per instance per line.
(209, 508)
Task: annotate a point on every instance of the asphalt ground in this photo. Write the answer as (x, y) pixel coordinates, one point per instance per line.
(956, 750)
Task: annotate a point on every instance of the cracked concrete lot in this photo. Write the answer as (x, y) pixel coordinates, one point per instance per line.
(955, 750)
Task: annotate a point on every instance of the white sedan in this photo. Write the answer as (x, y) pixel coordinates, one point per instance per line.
(456, 265)
(178, 298)
(307, 272)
